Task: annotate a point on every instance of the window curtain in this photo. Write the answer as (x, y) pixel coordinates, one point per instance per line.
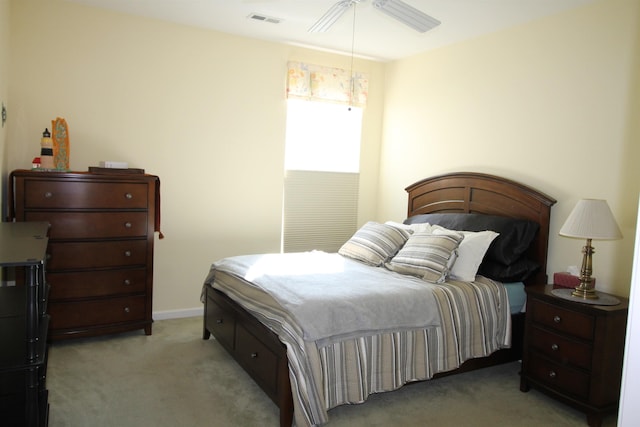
(320, 210)
(325, 84)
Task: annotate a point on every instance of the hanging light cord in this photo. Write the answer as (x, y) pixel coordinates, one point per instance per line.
(353, 42)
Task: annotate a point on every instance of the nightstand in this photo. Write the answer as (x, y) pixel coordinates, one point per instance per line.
(574, 351)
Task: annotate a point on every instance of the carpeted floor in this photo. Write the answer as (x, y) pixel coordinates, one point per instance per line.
(174, 378)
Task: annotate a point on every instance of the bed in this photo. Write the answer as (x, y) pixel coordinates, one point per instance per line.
(308, 367)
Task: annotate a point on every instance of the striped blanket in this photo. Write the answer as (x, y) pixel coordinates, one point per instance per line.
(473, 321)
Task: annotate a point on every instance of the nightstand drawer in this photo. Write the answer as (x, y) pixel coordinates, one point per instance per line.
(560, 377)
(561, 319)
(561, 349)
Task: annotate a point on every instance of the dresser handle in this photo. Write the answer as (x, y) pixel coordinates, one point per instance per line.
(128, 196)
(554, 347)
(127, 225)
(556, 319)
(219, 321)
(254, 355)
(127, 253)
(127, 282)
(127, 310)
(552, 374)
(48, 195)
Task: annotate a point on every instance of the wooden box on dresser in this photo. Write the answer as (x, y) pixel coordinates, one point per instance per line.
(100, 256)
(573, 351)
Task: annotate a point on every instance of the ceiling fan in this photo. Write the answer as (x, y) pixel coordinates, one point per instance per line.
(396, 9)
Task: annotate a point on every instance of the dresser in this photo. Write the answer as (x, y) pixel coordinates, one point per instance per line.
(23, 325)
(574, 351)
(100, 255)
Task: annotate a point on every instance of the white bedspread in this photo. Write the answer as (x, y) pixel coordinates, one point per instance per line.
(332, 297)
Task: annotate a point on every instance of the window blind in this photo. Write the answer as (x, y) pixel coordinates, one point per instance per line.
(320, 210)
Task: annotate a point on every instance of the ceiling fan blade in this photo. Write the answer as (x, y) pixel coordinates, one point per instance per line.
(332, 15)
(406, 14)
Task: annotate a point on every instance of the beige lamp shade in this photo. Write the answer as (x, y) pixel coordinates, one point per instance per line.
(591, 219)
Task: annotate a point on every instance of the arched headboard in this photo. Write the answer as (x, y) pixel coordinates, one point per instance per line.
(471, 192)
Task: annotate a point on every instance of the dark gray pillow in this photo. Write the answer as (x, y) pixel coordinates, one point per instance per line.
(515, 236)
(517, 271)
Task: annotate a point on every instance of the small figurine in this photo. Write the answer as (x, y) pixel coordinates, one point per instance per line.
(46, 150)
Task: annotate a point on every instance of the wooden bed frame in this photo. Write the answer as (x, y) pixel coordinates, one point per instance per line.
(263, 356)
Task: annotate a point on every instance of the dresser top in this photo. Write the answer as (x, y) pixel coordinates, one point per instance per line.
(23, 243)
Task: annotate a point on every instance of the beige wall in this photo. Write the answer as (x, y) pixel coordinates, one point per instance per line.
(553, 104)
(549, 104)
(4, 83)
(202, 110)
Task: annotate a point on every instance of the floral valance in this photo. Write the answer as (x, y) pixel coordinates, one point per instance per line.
(317, 83)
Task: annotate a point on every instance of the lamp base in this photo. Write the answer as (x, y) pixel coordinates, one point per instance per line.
(584, 293)
(604, 299)
(586, 288)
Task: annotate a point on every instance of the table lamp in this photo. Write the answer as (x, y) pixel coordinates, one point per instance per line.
(590, 219)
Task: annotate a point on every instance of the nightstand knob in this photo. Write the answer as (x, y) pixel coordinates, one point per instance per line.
(127, 282)
(254, 355)
(128, 196)
(556, 319)
(554, 347)
(219, 321)
(552, 374)
(48, 195)
(127, 310)
(127, 253)
(127, 225)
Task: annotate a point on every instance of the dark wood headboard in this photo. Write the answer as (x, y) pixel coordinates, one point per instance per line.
(470, 192)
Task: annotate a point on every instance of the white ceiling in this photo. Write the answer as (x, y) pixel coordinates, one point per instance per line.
(377, 36)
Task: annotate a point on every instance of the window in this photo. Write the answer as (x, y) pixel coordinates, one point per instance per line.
(322, 137)
(322, 163)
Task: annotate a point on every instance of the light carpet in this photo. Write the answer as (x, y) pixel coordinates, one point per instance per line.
(175, 378)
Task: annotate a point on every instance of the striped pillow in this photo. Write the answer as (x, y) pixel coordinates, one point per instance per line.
(427, 255)
(374, 243)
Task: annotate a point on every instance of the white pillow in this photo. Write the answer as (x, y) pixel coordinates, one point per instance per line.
(427, 255)
(374, 243)
(412, 228)
(423, 226)
(400, 225)
(470, 253)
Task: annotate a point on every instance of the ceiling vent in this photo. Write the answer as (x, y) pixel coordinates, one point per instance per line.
(259, 17)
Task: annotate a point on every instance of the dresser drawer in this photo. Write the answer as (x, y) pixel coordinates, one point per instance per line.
(66, 315)
(220, 322)
(560, 348)
(560, 377)
(562, 319)
(87, 255)
(256, 357)
(89, 284)
(82, 225)
(84, 194)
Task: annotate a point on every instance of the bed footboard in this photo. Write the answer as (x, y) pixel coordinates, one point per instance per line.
(253, 346)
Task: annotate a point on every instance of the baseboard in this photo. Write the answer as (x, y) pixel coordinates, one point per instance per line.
(177, 314)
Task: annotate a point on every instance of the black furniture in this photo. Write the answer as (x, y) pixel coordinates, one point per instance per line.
(23, 324)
